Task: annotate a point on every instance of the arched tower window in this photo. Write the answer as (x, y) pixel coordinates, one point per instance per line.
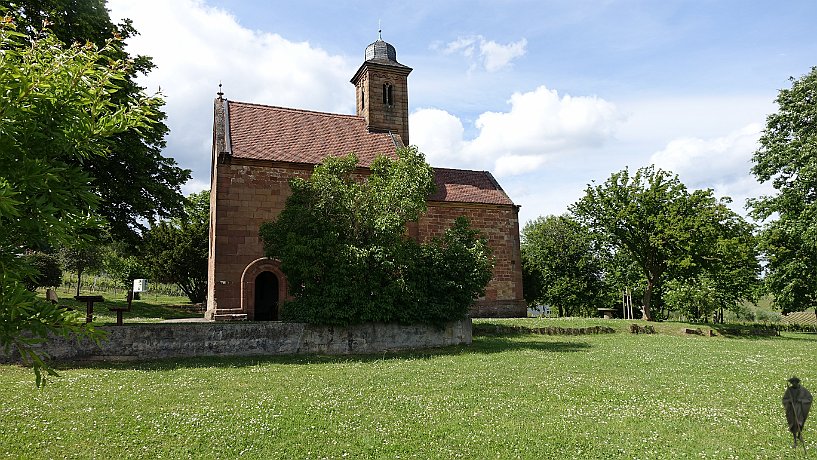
(387, 94)
(362, 98)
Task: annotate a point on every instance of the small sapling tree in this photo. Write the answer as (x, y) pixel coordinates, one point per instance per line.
(81, 257)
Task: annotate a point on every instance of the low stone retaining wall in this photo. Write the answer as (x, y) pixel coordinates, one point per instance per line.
(166, 340)
(503, 329)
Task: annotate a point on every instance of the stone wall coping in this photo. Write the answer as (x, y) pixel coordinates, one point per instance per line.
(147, 341)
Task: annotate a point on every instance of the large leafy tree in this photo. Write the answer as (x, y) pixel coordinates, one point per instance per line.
(788, 158)
(726, 272)
(342, 244)
(646, 214)
(175, 251)
(670, 232)
(135, 183)
(730, 261)
(82, 257)
(57, 111)
(560, 265)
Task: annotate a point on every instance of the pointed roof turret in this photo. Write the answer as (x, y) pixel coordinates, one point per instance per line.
(383, 53)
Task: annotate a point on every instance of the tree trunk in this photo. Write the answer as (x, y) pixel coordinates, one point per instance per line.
(647, 313)
(79, 280)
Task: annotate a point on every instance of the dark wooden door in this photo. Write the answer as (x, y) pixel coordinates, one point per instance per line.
(266, 297)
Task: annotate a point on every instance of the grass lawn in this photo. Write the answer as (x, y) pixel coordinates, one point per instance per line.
(151, 309)
(617, 395)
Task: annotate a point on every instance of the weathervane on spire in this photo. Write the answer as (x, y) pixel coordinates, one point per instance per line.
(379, 31)
(220, 94)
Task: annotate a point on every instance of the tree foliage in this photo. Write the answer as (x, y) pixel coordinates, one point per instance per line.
(444, 277)
(81, 257)
(671, 233)
(788, 158)
(621, 274)
(342, 243)
(69, 20)
(695, 298)
(730, 261)
(47, 268)
(135, 183)
(123, 265)
(175, 251)
(560, 266)
(57, 111)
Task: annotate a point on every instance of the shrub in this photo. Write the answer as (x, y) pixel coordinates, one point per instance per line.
(342, 245)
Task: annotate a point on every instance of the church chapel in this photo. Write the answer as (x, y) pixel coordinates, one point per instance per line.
(257, 149)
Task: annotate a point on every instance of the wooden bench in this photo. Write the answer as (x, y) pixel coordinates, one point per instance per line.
(89, 300)
(119, 310)
(607, 313)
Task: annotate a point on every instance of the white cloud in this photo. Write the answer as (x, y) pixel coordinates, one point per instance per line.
(511, 165)
(194, 186)
(539, 125)
(465, 45)
(438, 134)
(497, 56)
(721, 163)
(542, 122)
(721, 160)
(491, 55)
(196, 46)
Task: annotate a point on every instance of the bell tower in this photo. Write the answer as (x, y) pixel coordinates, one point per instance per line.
(381, 91)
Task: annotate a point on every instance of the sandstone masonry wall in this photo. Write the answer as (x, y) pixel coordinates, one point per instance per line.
(500, 223)
(152, 341)
(250, 192)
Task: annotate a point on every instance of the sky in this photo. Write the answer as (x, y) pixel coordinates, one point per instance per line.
(549, 96)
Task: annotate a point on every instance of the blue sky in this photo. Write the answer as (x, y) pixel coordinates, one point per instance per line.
(549, 96)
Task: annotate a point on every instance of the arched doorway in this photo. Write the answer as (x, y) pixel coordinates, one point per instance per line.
(251, 275)
(266, 297)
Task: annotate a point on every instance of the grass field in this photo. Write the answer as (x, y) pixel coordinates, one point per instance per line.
(152, 308)
(617, 395)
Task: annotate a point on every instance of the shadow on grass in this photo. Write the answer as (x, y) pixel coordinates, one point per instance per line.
(481, 345)
(805, 336)
(743, 331)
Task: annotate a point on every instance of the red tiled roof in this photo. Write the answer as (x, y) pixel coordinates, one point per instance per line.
(467, 187)
(263, 132)
(300, 136)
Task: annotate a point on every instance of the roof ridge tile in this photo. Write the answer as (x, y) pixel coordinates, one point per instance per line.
(291, 109)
